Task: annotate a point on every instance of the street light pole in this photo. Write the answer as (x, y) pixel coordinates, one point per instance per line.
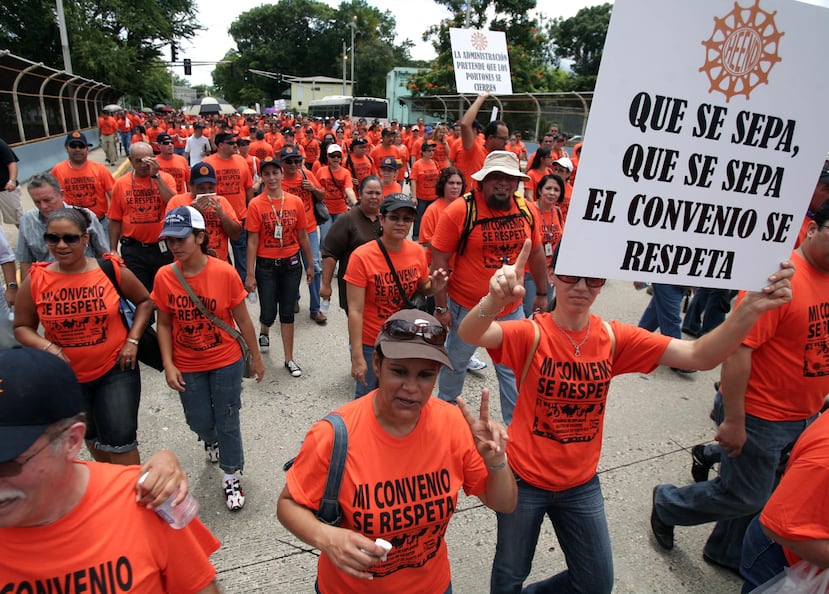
(353, 26)
(345, 57)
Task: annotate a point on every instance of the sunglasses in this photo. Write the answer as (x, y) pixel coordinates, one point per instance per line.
(395, 218)
(15, 467)
(79, 145)
(335, 156)
(405, 330)
(230, 143)
(292, 161)
(68, 239)
(166, 142)
(593, 283)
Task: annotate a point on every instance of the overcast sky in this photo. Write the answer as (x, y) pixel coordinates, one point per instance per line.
(413, 18)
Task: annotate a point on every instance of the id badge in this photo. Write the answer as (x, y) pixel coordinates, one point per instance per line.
(162, 246)
(277, 232)
(548, 249)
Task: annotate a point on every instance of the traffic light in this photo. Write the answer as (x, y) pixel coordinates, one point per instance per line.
(188, 67)
(173, 52)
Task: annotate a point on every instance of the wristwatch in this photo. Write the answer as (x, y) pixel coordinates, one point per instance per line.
(441, 310)
(155, 176)
(15, 182)
(11, 286)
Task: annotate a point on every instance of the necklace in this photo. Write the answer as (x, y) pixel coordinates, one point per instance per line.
(576, 347)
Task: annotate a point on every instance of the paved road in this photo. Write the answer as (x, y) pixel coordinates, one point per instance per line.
(652, 421)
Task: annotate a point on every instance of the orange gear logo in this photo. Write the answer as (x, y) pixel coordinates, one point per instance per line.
(741, 51)
(479, 41)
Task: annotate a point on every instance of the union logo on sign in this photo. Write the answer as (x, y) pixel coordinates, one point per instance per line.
(742, 50)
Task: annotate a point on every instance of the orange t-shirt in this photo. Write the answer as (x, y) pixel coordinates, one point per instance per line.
(107, 125)
(294, 186)
(441, 154)
(368, 268)
(127, 544)
(312, 149)
(178, 167)
(81, 314)
(198, 344)
(380, 152)
(216, 237)
(552, 228)
(391, 490)
(565, 204)
(470, 161)
(362, 167)
(535, 175)
(266, 215)
(137, 203)
(498, 236)
(86, 186)
(334, 183)
(790, 363)
(428, 226)
(425, 174)
(233, 180)
(261, 149)
(555, 438)
(798, 508)
(394, 188)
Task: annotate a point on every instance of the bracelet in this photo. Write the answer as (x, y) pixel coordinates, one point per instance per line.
(482, 313)
(156, 176)
(48, 346)
(541, 294)
(132, 340)
(500, 466)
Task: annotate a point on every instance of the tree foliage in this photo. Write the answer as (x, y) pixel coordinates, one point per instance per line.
(532, 65)
(301, 38)
(581, 39)
(116, 42)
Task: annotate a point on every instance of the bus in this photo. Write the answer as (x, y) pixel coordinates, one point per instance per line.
(338, 106)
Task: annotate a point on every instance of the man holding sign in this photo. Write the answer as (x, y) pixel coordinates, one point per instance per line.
(773, 387)
(566, 360)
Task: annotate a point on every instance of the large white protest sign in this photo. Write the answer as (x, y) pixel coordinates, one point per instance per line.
(481, 61)
(705, 140)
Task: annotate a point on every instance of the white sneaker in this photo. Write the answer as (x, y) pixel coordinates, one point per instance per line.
(476, 364)
(293, 368)
(264, 343)
(212, 450)
(234, 496)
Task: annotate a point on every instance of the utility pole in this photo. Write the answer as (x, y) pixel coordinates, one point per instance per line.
(345, 57)
(64, 38)
(353, 26)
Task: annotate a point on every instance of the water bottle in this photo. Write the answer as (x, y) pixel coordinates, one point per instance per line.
(179, 516)
(252, 297)
(325, 306)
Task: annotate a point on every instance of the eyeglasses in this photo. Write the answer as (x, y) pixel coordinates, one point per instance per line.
(68, 238)
(79, 145)
(292, 161)
(15, 467)
(397, 218)
(593, 283)
(405, 330)
(335, 156)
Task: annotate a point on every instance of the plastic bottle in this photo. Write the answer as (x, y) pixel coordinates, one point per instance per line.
(325, 306)
(179, 516)
(252, 297)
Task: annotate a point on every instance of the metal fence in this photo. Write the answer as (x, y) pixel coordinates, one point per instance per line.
(38, 102)
(529, 113)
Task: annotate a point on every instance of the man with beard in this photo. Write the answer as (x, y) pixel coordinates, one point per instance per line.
(484, 230)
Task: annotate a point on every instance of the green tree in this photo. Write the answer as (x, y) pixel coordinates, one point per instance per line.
(109, 41)
(311, 45)
(531, 63)
(581, 39)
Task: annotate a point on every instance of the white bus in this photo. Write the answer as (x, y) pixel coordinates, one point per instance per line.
(337, 106)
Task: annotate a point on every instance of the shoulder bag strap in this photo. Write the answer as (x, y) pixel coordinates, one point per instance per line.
(330, 511)
(531, 354)
(109, 269)
(609, 329)
(394, 274)
(200, 305)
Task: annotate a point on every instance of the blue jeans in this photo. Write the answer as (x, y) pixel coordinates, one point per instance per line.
(762, 557)
(324, 227)
(314, 287)
(707, 310)
(450, 382)
(111, 406)
(740, 491)
(663, 310)
(277, 282)
(580, 524)
(421, 207)
(371, 378)
(531, 289)
(211, 401)
(239, 246)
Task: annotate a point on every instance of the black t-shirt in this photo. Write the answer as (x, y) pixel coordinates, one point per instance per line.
(7, 157)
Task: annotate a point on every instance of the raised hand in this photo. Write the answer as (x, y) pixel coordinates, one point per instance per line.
(490, 436)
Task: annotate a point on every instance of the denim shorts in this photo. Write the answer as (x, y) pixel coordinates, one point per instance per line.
(111, 406)
(278, 282)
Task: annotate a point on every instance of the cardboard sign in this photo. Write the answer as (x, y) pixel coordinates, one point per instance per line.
(705, 141)
(481, 61)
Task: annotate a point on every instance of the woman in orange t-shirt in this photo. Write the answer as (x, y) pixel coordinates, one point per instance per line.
(549, 194)
(79, 309)
(372, 292)
(400, 439)
(203, 362)
(277, 230)
(538, 168)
